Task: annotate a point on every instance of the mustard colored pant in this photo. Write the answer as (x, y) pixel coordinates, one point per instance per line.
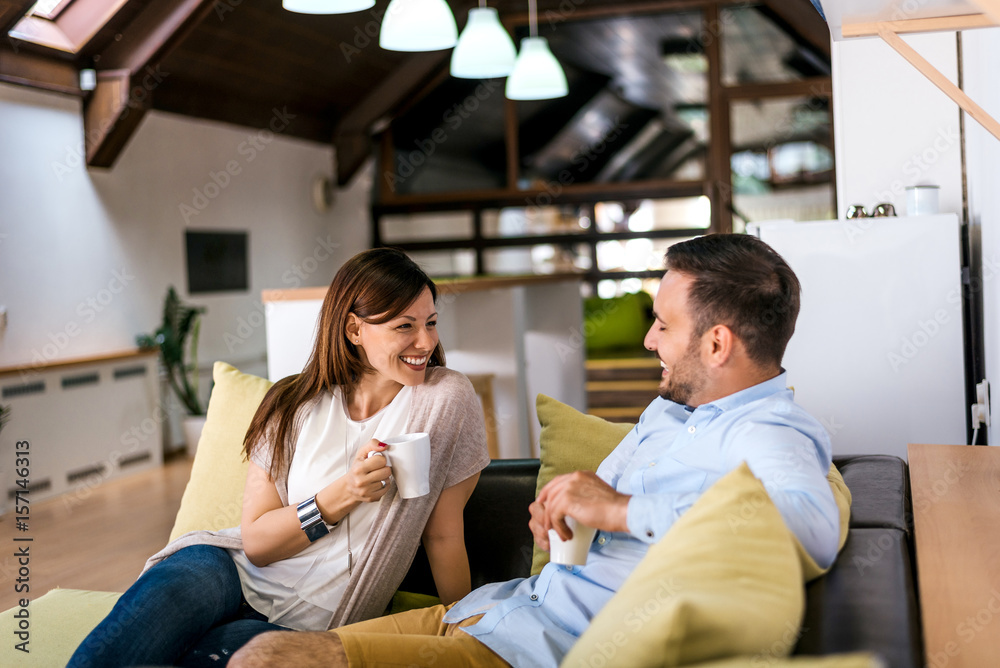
(416, 638)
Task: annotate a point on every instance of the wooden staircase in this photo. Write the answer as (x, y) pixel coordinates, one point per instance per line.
(620, 388)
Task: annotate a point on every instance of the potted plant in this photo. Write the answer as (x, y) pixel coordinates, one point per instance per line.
(177, 340)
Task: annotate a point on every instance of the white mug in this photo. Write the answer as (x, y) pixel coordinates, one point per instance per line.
(921, 200)
(409, 455)
(572, 552)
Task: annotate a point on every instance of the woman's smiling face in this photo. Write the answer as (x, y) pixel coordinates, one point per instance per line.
(400, 349)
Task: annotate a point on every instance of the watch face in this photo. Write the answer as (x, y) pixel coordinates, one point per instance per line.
(315, 530)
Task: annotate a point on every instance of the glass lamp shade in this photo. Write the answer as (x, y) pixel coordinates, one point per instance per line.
(484, 49)
(326, 6)
(537, 74)
(418, 25)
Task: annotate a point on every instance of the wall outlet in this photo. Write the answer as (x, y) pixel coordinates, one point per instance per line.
(981, 409)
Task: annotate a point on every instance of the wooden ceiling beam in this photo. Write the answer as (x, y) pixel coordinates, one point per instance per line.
(12, 11)
(130, 73)
(232, 106)
(406, 83)
(802, 19)
(30, 69)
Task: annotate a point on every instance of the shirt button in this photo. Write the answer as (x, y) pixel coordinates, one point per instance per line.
(652, 464)
(649, 534)
(534, 597)
(692, 429)
(602, 540)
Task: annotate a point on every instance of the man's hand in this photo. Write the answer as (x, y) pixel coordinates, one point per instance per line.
(584, 497)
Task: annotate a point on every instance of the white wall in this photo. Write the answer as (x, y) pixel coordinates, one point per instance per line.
(981, 52)
(86, 255)
(892, 127)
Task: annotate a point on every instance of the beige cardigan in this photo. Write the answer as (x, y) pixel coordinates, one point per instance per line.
(446, 407)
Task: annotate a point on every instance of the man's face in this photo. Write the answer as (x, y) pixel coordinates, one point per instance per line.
(671, 339)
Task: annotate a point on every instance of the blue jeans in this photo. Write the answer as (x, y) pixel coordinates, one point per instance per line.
(188, 610)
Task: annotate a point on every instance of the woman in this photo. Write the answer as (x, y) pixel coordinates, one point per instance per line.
(324, 538)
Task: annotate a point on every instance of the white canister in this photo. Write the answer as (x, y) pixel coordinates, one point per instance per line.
(921, 200)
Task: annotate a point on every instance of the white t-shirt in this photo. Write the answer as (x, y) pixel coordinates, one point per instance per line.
(302, 591)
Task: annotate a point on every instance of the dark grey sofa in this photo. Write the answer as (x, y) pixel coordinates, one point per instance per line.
(867, 602)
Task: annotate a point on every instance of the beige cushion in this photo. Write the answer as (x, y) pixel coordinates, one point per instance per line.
(213, 498)
(570, 441)
(60, 620)
(709, 589)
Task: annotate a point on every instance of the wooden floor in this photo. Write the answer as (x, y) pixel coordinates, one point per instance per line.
(94, 539)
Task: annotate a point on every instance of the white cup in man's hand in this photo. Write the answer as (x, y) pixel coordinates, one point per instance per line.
(409, 455)
(572, 552)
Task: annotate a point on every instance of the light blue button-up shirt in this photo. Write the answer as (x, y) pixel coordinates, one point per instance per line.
(666, 463)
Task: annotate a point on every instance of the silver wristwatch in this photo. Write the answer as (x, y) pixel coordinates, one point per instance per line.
(311, 520)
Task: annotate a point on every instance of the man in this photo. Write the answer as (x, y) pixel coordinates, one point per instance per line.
(724, 313)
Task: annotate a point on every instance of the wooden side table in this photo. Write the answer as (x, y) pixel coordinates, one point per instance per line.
(956, 516)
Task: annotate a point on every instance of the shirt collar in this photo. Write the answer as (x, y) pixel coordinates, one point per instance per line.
(753, 393)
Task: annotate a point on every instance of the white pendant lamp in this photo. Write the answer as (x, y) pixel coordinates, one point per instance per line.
(326, 6)
(484, 49)
(537, 74)
(418, 25)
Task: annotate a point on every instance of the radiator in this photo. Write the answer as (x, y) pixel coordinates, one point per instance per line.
(85, 422)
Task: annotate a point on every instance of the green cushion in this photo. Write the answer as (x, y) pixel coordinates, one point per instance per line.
(59, 621)
(709, 589)
(570, 441)
(616, 323)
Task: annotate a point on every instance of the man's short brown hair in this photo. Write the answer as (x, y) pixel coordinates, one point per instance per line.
(740, 282)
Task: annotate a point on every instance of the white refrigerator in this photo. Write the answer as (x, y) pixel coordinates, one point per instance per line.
(878, 350)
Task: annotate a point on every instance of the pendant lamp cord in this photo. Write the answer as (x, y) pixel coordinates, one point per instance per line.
(532, 18)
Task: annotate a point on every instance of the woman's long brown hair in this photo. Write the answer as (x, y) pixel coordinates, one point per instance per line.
(376, 285)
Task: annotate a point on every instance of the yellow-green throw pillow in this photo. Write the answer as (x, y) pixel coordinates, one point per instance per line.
(213, 498)
(570, 441)
(842, 495)
(709, 589)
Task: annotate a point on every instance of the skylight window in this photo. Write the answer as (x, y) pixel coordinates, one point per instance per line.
(48, 23)
(48, 9)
